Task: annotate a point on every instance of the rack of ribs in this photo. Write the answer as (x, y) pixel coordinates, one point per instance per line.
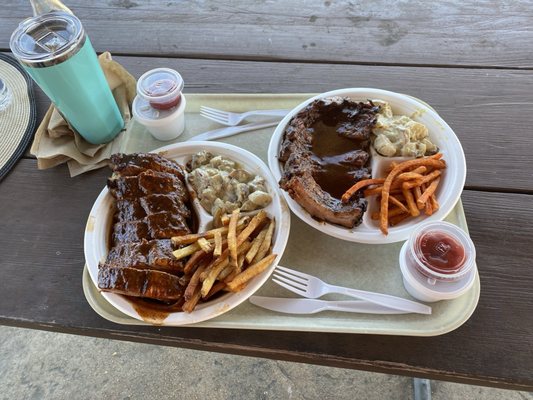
(151, 206)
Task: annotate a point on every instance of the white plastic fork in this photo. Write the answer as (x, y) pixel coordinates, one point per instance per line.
(311, 287)
(233, 119)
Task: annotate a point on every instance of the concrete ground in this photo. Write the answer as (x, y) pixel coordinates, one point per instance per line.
(43, 365)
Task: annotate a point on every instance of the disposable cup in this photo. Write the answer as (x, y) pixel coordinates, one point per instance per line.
(441, 251)
(164, 125)
(438, 262)
(417, 284)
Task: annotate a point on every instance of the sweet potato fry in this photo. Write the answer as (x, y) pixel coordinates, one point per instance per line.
(358, 186)
(428, 209)
(411, 164)
(413, 209)
(434, 202)
(428, 178)
(394, 200)
(395, 220)
(429, 191)
(406, 176)
(417, 192)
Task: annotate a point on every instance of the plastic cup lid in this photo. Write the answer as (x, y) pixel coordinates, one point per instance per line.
(160, 85)
(47, 39)
(441, 290)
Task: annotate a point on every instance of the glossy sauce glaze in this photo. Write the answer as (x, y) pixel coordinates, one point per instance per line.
(153, 311)
(161, 88)
(341, 158)
(441, 252)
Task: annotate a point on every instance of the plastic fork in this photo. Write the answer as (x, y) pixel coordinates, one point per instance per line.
(311, 287)
(232, 119)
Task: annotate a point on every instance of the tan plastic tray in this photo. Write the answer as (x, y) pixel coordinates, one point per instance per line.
(369, 267)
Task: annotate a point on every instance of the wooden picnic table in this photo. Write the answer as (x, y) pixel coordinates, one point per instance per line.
(471, 60)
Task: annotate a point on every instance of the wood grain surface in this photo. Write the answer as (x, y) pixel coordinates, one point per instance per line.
(485, 109)
(42, 262)
(466, 33)
(470, 60)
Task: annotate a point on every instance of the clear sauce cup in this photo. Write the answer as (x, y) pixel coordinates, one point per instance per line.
(438, 262)
(161, 88)
(441, 252)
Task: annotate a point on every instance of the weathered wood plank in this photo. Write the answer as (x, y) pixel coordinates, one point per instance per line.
(481, 33)
(42, 260)
(485, 108)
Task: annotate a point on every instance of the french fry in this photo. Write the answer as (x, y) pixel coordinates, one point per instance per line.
(358, 186)
(208, 282)
(395, 220)
(411, 164)
(236, 288)
(426, 179)
(256, 244)
(406, 176)
(218, 244)
(210, 234)
(217, 287)
(254, 223)
(434, 202)
(417, 192)
(194, 283)
(186, 251)
(265, 245)
(411, 205)
(205, 245)
(429, 191)
(224, 220)
(218, 257)
(193, 261)
(190, 304)
(420, 170)
(392, 213)
(240, 262)
(394, 200)
(232, 237)
(193, 237)
(428, 209)
(225, 272)
(251, 272)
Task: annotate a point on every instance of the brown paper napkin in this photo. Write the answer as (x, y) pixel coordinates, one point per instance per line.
(56, 143)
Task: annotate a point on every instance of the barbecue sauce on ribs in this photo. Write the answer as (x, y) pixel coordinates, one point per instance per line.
(326, 150)
(151, 205)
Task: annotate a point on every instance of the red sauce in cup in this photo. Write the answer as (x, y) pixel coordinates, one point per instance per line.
(161, 88)
(441, 252)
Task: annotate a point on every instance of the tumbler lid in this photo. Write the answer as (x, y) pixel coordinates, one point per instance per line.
(47, 39)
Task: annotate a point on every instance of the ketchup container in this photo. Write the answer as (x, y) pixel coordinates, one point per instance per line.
(438, 262)
(159, 104)
(161, 87)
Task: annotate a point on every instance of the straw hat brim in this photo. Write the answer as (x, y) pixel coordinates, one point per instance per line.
(19, 119)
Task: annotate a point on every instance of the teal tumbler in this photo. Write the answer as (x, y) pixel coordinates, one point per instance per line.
(58, 55)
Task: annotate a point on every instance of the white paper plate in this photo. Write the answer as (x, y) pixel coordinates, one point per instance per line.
(448, 192)
(99, 223)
